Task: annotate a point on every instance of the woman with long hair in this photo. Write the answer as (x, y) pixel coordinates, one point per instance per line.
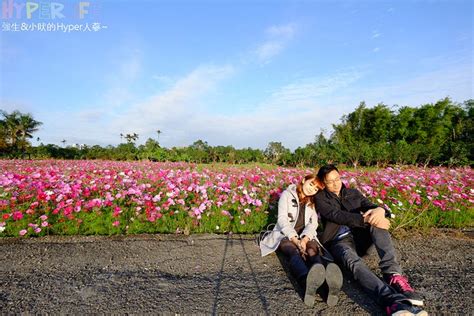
(295, 236)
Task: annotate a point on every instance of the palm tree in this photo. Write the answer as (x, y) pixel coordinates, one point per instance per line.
(28, 125)
(19, 128)
(10, 124)
(131, 138)
(3, 136)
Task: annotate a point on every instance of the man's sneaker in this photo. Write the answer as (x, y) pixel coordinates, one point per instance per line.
(314, 280)
(401, 285)
(334, 281)
(401, 309)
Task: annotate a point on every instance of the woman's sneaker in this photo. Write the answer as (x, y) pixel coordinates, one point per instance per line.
(314, 280)
(401, 285)
(334, 282)
(401, 309)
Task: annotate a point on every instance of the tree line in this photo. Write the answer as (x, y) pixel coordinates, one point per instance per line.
(432, 134)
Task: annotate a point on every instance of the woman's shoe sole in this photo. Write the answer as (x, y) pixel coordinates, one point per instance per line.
(334, 281)
(314, 280)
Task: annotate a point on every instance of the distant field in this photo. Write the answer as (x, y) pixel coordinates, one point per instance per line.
(107, 197)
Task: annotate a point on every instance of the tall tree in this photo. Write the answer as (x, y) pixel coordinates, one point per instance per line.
(17, 129)
(277, 153)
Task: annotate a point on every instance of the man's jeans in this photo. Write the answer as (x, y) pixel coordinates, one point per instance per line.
(344, 251)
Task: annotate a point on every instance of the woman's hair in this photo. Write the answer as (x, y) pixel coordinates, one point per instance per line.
(299, 190)
(324, 170)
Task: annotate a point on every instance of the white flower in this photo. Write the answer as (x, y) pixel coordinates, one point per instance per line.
(380, 201)
(2, 228)
(217, 227)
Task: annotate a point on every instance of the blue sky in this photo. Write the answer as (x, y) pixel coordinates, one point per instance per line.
(232, 72)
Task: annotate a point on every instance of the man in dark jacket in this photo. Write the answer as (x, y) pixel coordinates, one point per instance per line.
(351, 225)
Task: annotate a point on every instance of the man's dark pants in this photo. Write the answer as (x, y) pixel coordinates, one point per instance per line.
(348, 252)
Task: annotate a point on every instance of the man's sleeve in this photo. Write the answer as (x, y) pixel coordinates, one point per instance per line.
(366, 204)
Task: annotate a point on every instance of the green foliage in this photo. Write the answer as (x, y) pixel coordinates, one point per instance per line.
(432, 134)
(16, 129)
(276, 153)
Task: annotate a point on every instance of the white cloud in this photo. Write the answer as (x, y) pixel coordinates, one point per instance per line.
(427, 87)
(450, 79)
(309, 89)
(296, 112)
(278, 37)
(376, 34)
(10, 105)
(292, 114)
(163, 79)
(171, 110)
(268, 50)
(121, 80)
(281, 31)
(376, 49)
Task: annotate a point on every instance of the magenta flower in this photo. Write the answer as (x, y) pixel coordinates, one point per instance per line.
(17, 216)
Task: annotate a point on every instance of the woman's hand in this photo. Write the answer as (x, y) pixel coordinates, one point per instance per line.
(296, 241)
(303, 243)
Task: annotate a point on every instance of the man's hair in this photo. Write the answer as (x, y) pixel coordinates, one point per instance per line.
(324, 170)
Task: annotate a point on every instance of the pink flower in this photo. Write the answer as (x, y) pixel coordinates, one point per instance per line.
(116, 223)
(17, 215)
(23, 232)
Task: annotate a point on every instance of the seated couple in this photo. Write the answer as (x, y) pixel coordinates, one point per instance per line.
(351, 225)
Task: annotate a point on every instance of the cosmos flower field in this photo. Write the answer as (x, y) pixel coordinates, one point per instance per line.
(57, 197)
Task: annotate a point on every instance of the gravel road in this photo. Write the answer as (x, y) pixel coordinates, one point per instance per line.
(206, 274)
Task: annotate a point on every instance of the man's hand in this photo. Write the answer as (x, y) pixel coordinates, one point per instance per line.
(376, 217)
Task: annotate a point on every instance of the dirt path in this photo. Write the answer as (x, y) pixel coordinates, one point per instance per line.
(204, 274)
